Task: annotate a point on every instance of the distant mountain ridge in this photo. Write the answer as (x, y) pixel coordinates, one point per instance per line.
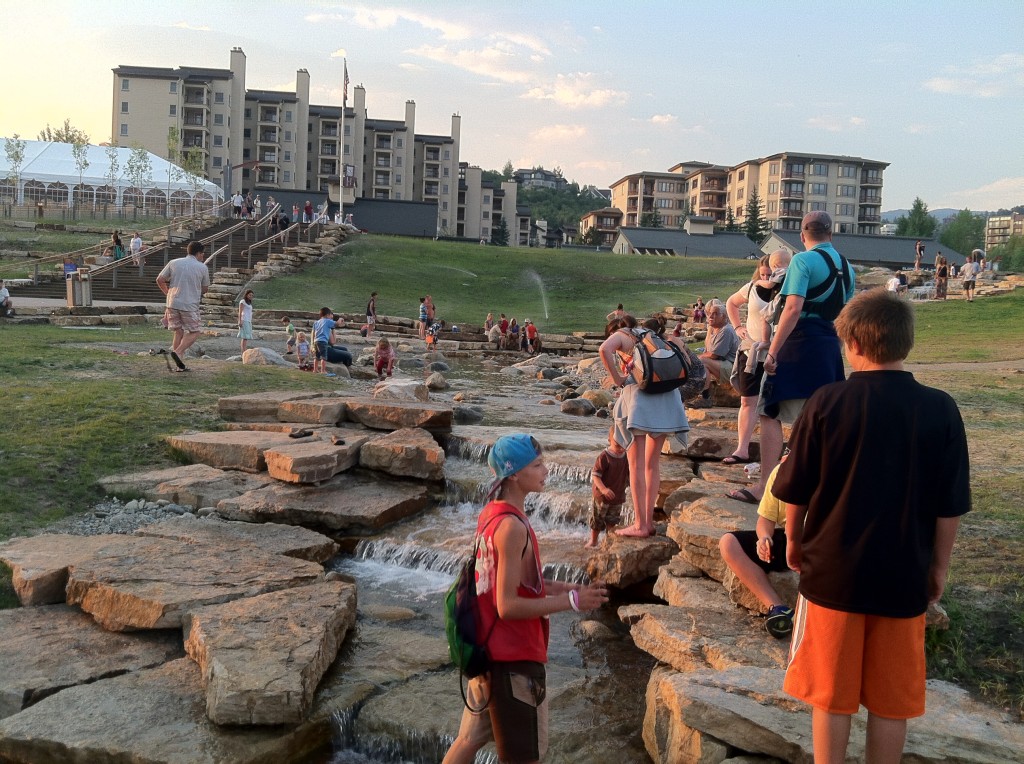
(940, 214)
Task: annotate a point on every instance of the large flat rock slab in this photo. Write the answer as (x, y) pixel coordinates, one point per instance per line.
(323, 411)
(313, 462)
(193, 485)
(49, 648)
(409, 452)
(152, 582)
(708, 716)
(40, 564)
(710, 442)
(700, 488)
(235, 449)
(258, 407)
(622, 562)
(155, 715)
(262, 657)
(691, 639)
(394, 415)
(350, 503)
(289, 540)
(699, 526)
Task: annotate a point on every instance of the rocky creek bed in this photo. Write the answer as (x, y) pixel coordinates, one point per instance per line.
(278, 599)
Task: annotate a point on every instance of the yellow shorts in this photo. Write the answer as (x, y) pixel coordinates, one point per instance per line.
(839, 661)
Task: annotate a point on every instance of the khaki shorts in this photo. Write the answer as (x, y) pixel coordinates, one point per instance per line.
(186, 320)
(515, 715)
(788, 410)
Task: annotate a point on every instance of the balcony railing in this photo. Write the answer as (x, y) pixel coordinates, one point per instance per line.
(868, 179)
(792, 174)
(194, 122)
(433, 156)
(382, 162)
(196, 101)
(869, 218)
(329, 132)
(383, 144)
(713, 185)
(268, 137)
(268, 117)
(791, 212)
(870, 199)
(268, 157)
(329, 151)
(791, 194)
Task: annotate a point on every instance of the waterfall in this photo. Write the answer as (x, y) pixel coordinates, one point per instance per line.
(408, 555)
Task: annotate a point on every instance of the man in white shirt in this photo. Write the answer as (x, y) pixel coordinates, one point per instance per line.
(236, 203)
(6, 308)
(184, 281)
(136, 248)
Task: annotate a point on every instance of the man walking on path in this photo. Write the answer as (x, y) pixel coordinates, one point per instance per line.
(184, 281)
(804, 353)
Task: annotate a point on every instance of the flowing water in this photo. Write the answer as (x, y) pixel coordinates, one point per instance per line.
(597, 678)
(536, 279)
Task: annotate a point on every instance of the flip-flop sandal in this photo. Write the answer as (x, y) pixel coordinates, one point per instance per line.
(733, 459)
(742, 494)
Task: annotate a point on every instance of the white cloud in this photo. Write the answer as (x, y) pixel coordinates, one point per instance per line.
(835, 124)
(995, 77)
(523, 41)
(388, 18)
(918, 129)
(190, 27)
(489, 62)
(339, 53)
(411, 67)
(664, 119)
(559, 134)
(575, 91)
(1004, 192)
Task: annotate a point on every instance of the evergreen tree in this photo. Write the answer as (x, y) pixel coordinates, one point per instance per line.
(755, 226)
(499, 234)
(592, 238)
(730, 221)
(918, 223)
(651, 219)
(508, 171)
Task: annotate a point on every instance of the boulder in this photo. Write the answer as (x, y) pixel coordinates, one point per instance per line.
(692, 639)
(313, 462)
(258, 407)
(154, 715)
(394, 415)
(600, 398)
(785, 583)
(289, 540)
(49, 648)
(149, 583)
(678, 588)
(699, 526)
(192, 485)
(264, 357)
(578, 407)
(716, 472)
(328, 411)
(392, 389)
(349, 503)
(262, 657)
(714, 443)
(436, 381)
(697, 489)
(623, 561)
(235, 449)
(466, 414)
(409, 452)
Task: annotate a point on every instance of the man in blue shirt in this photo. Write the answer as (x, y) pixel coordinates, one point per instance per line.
(805, 353)
(323, 336)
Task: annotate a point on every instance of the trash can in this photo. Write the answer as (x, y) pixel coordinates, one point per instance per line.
(79, 289)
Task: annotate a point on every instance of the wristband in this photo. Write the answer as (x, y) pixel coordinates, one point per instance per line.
(574, 600)
(769, 355)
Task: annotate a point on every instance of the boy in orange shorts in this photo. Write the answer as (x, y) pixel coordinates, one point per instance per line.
(875, 485)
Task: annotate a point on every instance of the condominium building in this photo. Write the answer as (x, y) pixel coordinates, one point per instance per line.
(789, 185)
(607, 221)
(999, 228)
(538, 177)
(270, 140)
(482, 205)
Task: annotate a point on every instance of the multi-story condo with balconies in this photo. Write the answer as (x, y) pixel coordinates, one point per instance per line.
(269, 140)
(999, 228)
(483, 204)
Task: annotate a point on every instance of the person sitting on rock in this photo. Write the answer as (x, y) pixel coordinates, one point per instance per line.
(752, 555)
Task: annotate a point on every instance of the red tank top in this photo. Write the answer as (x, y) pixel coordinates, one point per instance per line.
(510, 640)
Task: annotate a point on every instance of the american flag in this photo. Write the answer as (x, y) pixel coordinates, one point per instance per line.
(344, 92)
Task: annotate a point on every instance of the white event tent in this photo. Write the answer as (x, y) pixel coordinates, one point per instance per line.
(49, 174)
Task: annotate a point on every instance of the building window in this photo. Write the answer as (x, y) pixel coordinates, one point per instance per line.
(693, 183)
(444, 206)
(218, 119)
(247, 133)
(246, 153)
(218, 140)
(771, 206)
(773, 188)
(174, 87)
(173, 112)
(347, 150)
(217, 161)
(846, 210)
(124, 128)
(444, 188)
(817, 207)
(124, 84)
(348, 130)
(124, 107)
(773, 168)
(447, 154)
(487, 198)
(398, 179)
(485, 214)
(287, 156)
(847, 190)
(444, 172)
(817, 189)
(288, 136)
(485, 232)
(287, 115)
(819, 169)
(740, 192)
(287, 174)
(743, 175)
(248, 113)
(664, 203)
(398, 195)
(218, 98)
(398, 143)
(398, 161)
(847, 171)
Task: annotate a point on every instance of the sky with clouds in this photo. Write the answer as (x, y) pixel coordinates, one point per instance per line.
(599, 89)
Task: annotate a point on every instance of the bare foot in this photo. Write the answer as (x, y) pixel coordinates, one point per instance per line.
(591, 544)
(632, 531)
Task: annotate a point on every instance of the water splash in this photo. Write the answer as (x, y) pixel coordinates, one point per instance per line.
(460, 270)
(535, 277)
(410, 556)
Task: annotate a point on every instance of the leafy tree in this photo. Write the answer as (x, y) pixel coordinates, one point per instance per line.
(560, 207)
(14, 150)
(651, 219)
(918, 223)
(755, 226)
(139, 170)
(1009, 255)
(174, 171)
(493, 176)
(113, 167)
(193, 164)
(508, 171)
(499, 234)
(67, 133)
(964, 232)
(80, 151)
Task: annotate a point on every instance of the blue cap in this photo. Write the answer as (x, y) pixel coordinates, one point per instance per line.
(512, 453)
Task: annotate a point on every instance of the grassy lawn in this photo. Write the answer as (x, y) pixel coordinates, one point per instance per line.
(72, 415)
